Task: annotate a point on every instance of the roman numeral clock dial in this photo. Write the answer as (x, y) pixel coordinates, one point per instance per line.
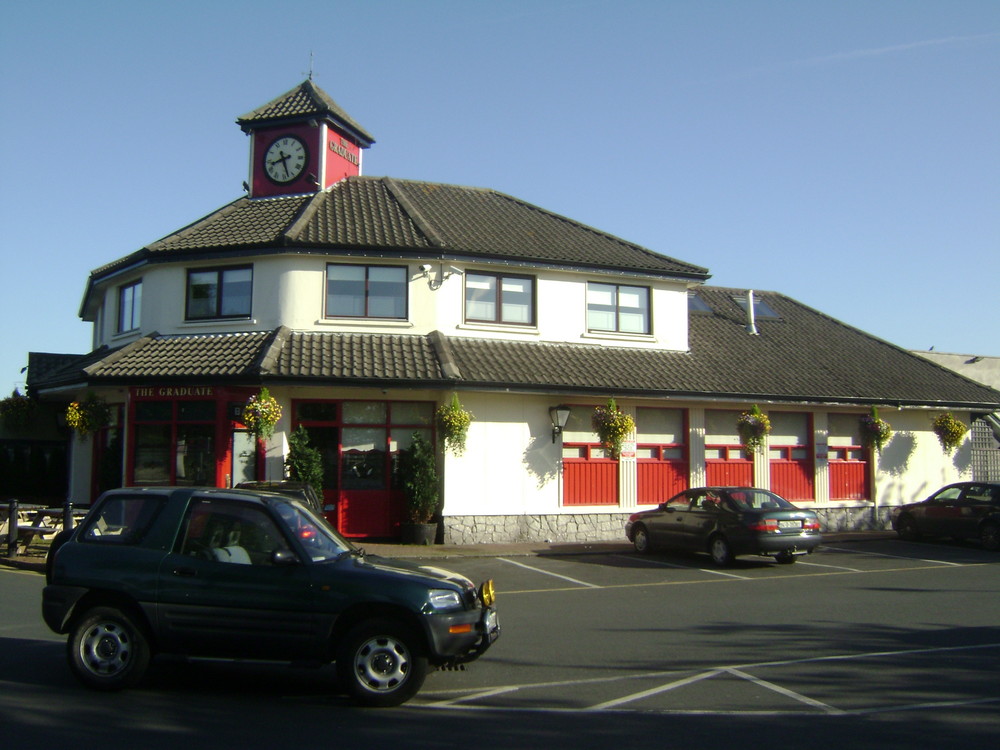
(285, 159)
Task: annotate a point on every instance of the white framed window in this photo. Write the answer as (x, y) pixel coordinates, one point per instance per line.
(618, 308)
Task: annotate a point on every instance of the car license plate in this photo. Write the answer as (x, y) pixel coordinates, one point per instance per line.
(789, 524)
(492, 625)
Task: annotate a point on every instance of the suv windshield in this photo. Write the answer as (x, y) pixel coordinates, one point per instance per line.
(316, 535)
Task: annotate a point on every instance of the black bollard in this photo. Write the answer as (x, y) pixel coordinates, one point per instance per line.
(68, 514)
(12, 528)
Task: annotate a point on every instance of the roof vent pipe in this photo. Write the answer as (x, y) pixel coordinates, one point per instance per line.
(751, 323)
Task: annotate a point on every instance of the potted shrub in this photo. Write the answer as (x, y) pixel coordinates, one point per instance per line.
(419, 481)
(303, 462)
(950, 431)
(752, 426)
(875, 432)
(612, 426)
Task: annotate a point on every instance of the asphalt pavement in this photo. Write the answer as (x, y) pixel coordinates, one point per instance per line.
(512, 549)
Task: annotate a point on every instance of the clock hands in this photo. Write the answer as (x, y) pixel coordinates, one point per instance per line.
(283, 161)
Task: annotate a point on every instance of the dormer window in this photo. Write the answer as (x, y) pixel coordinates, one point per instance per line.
(499, 298)
(129, 306)
(617, 308)
(219, 293)
(365, 291)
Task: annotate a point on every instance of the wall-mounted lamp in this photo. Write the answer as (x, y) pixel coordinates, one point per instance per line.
(559, 416)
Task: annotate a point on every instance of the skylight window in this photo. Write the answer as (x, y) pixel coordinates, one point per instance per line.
(760, 308)
(697, 304)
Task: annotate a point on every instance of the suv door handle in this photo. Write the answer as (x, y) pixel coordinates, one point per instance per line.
(185, 572)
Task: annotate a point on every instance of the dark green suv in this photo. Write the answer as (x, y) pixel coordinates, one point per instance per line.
(253, 575)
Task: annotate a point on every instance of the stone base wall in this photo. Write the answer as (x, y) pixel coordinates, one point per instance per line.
(605, 527)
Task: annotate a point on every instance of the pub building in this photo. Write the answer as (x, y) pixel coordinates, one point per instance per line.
(365, 303)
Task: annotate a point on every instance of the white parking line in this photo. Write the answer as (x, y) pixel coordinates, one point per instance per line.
(834, 567)
(654, 691)
(785, 691)
(469, 695)
(549, 573)
(895, 557)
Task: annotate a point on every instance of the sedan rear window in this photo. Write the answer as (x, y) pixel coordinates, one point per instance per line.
(752, 499)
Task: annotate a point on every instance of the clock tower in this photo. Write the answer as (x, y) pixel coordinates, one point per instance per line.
(301, 142)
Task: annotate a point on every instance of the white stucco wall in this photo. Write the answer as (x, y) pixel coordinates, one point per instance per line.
(290, 290)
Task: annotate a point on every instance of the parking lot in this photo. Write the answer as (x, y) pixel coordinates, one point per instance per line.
(854, 629)
(871, 644)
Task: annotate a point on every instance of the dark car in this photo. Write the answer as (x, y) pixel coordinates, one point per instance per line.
(298, 490)
(726, 522)
(253, 575)
(965, 510)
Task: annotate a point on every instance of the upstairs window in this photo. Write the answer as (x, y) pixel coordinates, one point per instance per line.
(365, 291)
(219, 293)
(129, 306)
(496, 298)
(617, 308)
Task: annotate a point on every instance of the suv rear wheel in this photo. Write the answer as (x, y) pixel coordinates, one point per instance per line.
(107, 650)
(381, 662)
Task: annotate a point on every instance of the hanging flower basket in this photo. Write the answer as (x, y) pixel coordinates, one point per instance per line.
(612, 426)
(16, 411)
(950, 431)
(753, 425)
(261, 413)
(88, 416)
(875, 432)
(453, 424)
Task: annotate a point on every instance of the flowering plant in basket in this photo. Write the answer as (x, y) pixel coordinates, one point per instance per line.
(453, 422)
(612, 426)
(752, 425)
(950, 431)
(89, 415)
(261, 413)
(875, 432)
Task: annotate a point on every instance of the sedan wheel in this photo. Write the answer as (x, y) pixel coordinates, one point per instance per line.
(722, 554)
(907, 529)
(990, 537)
(785, 558)
(640, 540)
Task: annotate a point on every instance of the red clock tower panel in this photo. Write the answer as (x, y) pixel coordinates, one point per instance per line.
(302, 142)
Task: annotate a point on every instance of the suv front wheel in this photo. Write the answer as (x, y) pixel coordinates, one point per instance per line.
(381, 662)
(107, 650)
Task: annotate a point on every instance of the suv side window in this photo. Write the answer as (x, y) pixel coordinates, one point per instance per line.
(230, 533)
(122, 519)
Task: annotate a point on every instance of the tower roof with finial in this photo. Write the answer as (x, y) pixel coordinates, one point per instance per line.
(302, 102)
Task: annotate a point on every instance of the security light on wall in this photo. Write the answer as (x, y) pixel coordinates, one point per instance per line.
(559, 416)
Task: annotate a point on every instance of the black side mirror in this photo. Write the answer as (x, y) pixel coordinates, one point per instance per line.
(284, 557)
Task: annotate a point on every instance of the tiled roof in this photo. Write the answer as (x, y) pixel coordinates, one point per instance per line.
(223, 355)
(337, 356)
(420, 219)
(305, 100)
(803, 356)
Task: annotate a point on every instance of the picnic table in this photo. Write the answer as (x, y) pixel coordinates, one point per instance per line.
(20, 523)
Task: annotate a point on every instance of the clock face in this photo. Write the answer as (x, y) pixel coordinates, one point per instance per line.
(285, 159)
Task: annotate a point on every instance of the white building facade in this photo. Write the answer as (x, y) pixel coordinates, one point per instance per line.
(363, 304)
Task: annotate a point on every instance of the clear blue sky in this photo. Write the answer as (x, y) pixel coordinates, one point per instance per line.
(845, 153)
